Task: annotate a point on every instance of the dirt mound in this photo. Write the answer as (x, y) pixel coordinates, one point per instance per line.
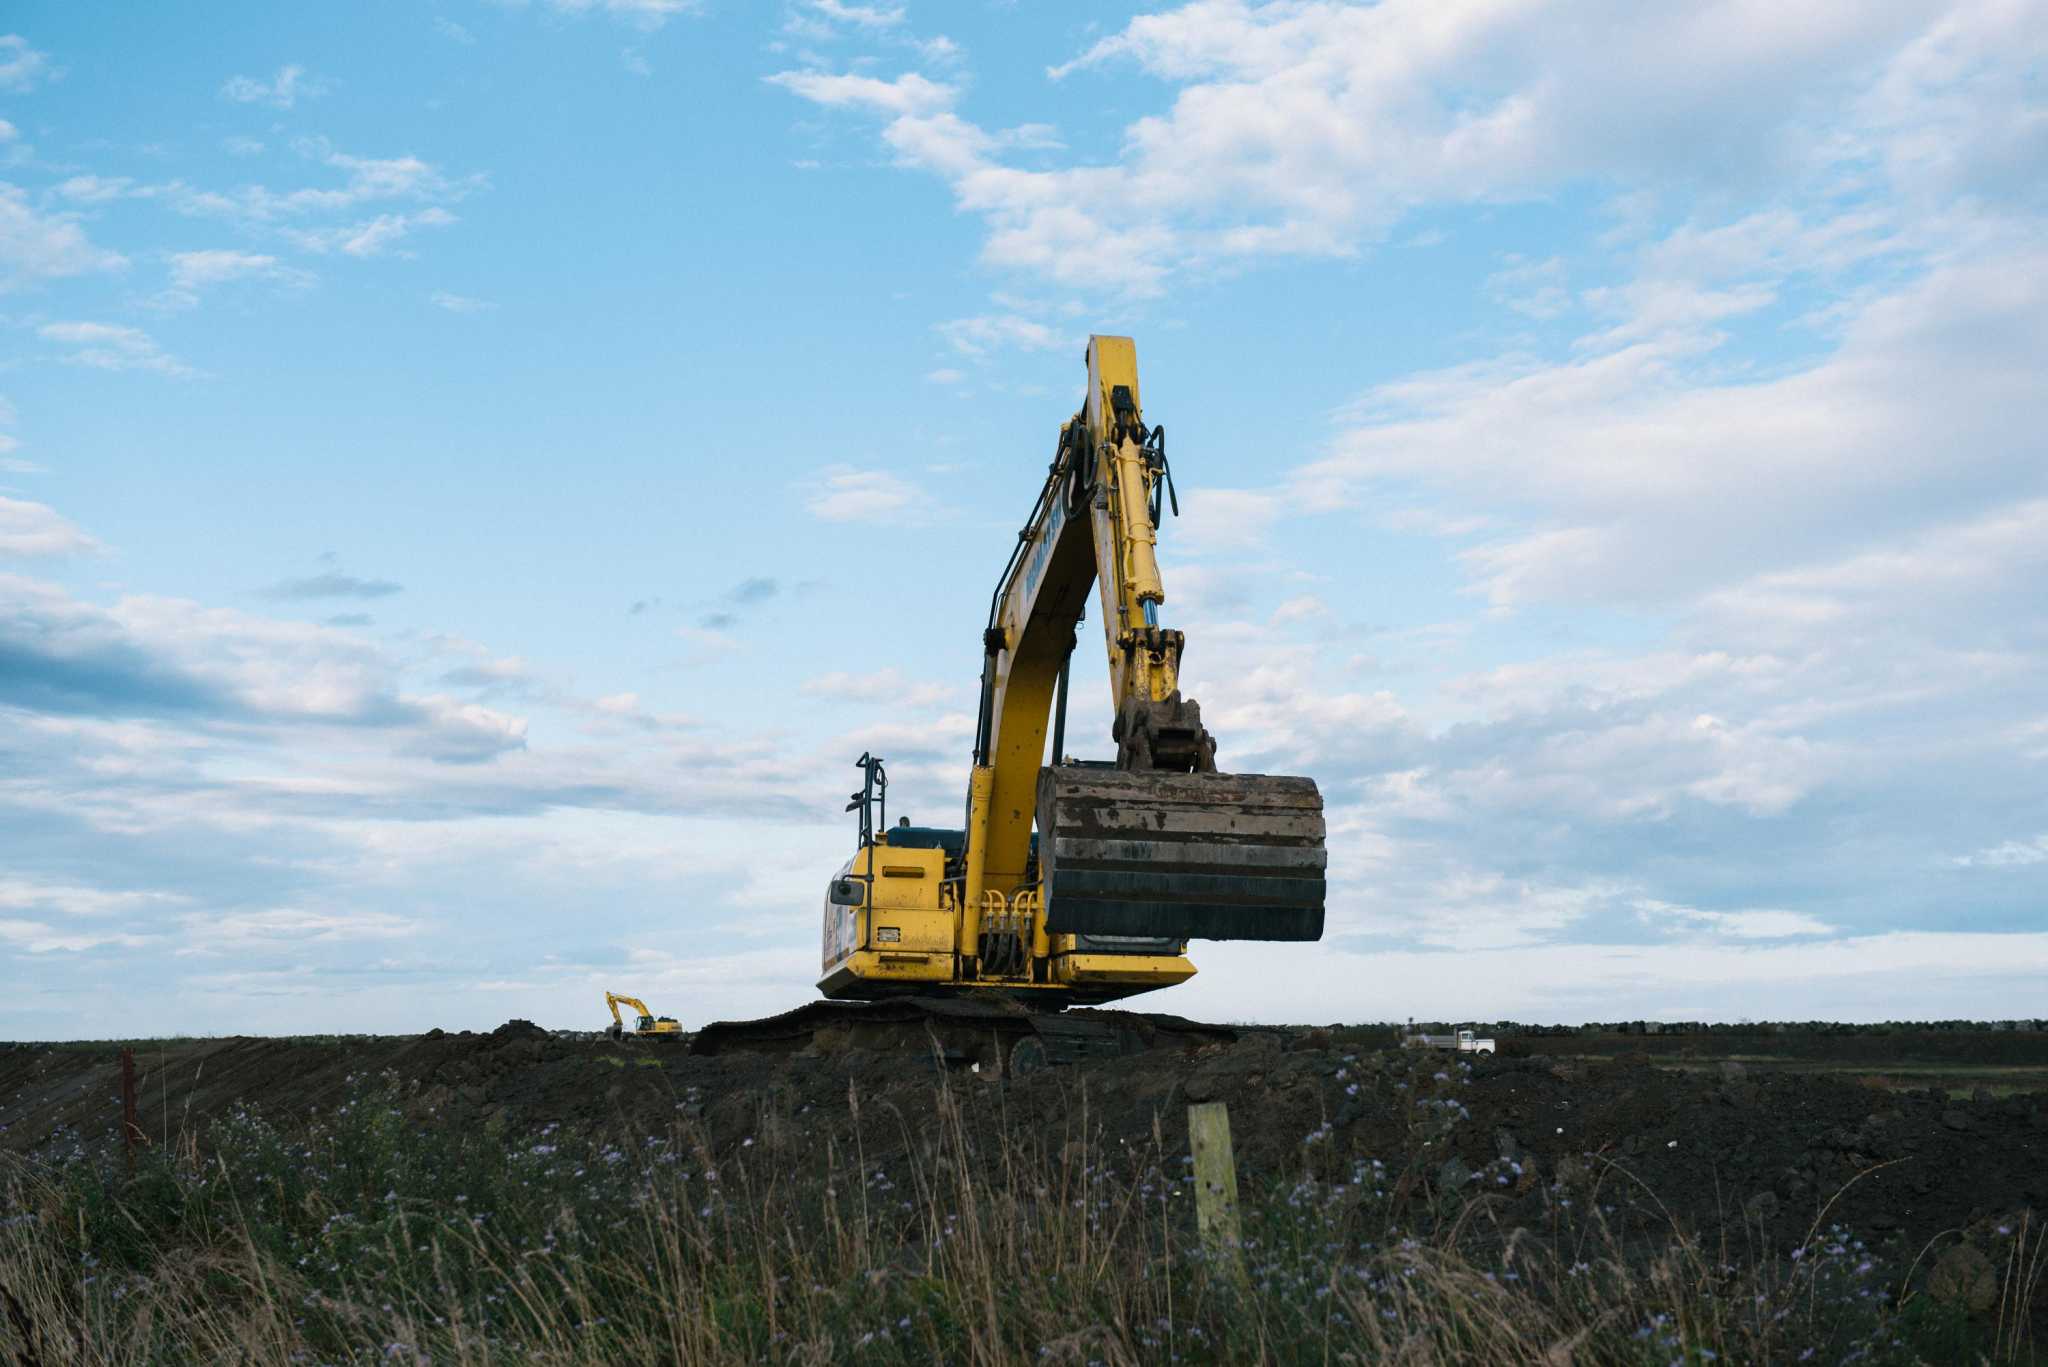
(1758, 1153)
(1877, 1051)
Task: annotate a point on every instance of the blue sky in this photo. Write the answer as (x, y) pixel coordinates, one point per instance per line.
(473, 476)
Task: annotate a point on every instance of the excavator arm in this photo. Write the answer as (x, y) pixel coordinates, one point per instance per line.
(1096, 519)
(614, 1000)
(1161, 845)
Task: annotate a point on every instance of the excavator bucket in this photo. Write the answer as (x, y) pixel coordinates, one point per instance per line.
(1180, 856)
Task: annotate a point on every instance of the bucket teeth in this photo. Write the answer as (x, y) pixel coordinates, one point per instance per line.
(1181, 856)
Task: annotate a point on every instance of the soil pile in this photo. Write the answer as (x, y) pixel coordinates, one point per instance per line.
(1757, 1154)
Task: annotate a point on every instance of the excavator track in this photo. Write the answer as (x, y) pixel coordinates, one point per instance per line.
(1003, 1037)
(1184, 856)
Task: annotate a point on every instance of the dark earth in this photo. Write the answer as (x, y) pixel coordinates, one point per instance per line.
(1760, 1139)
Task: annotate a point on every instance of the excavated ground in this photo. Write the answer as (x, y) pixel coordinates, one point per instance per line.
(1755, 1150)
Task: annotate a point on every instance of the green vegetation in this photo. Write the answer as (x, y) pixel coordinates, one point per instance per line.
(368, 1236)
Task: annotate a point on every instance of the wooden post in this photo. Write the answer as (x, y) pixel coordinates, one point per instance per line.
(1215, 1180)
(131, 1128)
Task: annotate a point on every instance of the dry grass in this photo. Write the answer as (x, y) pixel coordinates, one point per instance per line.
(368, 1237)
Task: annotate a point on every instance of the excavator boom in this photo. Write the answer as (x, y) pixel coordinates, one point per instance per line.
(1160, 845)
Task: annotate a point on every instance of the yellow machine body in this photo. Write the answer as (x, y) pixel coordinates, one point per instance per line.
(910, 933)
(645, 1022)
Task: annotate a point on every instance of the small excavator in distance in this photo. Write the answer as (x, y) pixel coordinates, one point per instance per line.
(982, 936)
(646, 1025)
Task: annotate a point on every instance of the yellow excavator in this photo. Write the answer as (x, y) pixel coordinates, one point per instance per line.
(646, 1025)
(992, 928)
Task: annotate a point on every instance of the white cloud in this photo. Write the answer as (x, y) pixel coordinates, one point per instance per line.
(152, 656)
(1648, 479)
(282, 91)
(1960, 108)
(1556, 797)
(721, 986)
(366, 181)
(192, 273)
(101, 189)
(1871, 978)
(372, 237)
(944, 375)
(917, 749)
(282, 777)
(22, 68)
(289, 924)
(458, 732)
(1310, 128)
(35, 247)
(2012, 854)
(1221, 520)
(22, 894)
(645, 13)
(34, 530)
(459, 303)
(1889, 976)
(884, 686)
(1921, 576)
(1039, 137)
(984, 333)
(842, 494)
(114, 346)
(908, 94)
(1751, 924)
(1305, 608)
(35, 937)
(715, 640)
(861, 16)
(201, 270)
(1483, 100)
(1765, 924)
(1607, 759)
(1481, 911)
(1533, 288)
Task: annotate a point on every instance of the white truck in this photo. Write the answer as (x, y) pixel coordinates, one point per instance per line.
(1465, 1042)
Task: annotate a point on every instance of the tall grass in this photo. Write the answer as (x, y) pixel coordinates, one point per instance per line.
(368, 1236)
